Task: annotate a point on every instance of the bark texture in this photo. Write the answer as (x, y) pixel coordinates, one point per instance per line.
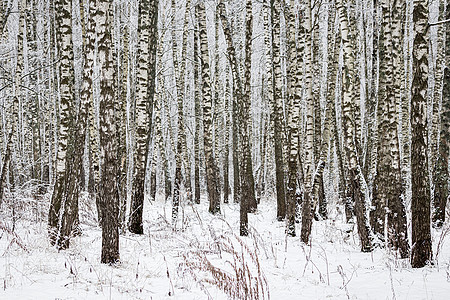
(109, 193)
(353, 177)
(421, 252)
(277, 112)
(146, 73)
(212, 172)
(441, 187)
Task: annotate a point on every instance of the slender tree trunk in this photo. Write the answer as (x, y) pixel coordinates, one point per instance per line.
(147, 32)
(441, 187)
(235, 131)
(226, 164)
(63, 10)
(88, 91)
(159, 101)
(121, 117)
(421, 252)
(268, 79)
(439, 65)
(217, 105)
(278, 110)
(387, 193)
(317, 192)
(386, 130)
(333, 47)
(109, 193)
(309, 143)
(181, 156)
(5, 11)
(248, 201)
(406, 101)
(294, 95)
(197, 108)
(353, 179)
(6, 159)
(211, 167)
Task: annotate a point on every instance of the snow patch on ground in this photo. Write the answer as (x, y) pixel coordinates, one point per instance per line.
(156, 265)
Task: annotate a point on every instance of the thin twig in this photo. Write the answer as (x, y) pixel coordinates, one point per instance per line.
(439, 22)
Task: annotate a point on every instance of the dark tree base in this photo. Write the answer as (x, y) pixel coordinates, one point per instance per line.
(421, 254)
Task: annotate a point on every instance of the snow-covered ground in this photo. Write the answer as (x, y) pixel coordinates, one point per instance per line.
(181, 264)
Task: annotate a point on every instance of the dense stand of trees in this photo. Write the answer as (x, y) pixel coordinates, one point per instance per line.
(312, 105)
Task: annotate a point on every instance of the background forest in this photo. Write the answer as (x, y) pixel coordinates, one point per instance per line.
(224, 149)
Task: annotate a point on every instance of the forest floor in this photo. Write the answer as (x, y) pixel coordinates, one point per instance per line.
(204, 257)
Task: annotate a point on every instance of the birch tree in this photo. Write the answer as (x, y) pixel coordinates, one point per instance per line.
(420, 202)
(387, 194)
(353, 180)
(147, 36)
(441, 187)
(63, 10)
(197, 111)
(211, 166)
(277, 110)
(309, 130)
(181, 150)
(248, 200)
(293, 92)
(109, 193)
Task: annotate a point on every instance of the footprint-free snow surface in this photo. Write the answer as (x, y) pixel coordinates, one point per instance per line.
(203, 257)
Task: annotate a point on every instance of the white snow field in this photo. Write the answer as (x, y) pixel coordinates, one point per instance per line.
(205, 259)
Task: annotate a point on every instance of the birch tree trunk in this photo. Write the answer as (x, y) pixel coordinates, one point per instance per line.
(147, 36)
(386, 129)
(353, 180)
(121, 119)
(309, 143)
(5, 11)
(63, 10)
(421, 253)
(211, 167)
(248, 201)
(109, 193)
(333, 47)
(14, 108)
(159, 103)
(441, 187)
(294, 96)
(197, 108)
(439, 65)
(77, 136)
(369, 167)
(226, 125)
(387, 193)
(277, 112)
(181, 156)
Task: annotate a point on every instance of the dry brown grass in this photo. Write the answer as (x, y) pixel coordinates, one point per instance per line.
(236, 271)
